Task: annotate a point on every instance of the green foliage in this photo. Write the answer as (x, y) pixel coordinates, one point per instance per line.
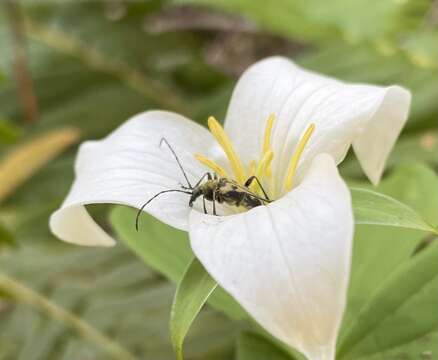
(252, 346)
(166, 250)
(88, 73)
(384, 268)
(8, 132)
(373, 208)
(367, 64)
(110, 290)
(6, 238)
(94, 66)
(402, 308)
(318, 20)
(191, 294)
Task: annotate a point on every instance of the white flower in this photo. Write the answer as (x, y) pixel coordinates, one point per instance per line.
(287, 263)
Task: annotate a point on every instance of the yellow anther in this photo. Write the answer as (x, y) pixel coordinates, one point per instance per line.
(288, 182)
(252, 167)
(212, 165)
(223, 140)
(267, 136)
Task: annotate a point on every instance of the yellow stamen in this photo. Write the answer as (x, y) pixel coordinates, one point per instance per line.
(212, 165)
(267, 140)
(223, 140)
(268, 131)
(252, 167)
(272, 185)
(288, 182)
(262, 168)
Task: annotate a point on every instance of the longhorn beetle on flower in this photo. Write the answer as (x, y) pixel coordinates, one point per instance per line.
(214, 189)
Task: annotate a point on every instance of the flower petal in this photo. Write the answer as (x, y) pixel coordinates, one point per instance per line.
(129, 167)
(370, 116)
(287, 263)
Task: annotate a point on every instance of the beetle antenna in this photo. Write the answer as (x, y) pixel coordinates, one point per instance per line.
(177, 160)
(152, 198)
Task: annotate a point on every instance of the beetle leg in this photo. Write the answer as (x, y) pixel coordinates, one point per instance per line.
(203, 203)
(214, 203)
(249, 182)
(208, 175)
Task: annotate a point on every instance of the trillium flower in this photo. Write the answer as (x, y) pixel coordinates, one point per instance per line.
(286, 262)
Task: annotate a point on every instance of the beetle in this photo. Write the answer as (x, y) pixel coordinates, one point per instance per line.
(215, 189)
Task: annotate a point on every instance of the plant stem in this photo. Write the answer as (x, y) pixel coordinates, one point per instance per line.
(23, 77)
(23, 294)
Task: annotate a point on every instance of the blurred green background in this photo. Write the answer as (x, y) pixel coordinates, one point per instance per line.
(74, 70)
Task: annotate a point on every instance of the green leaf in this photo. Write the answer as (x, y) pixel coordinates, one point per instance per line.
(374, 208)
(379, 252)
(251, 346)
(390, 307)
(163, 248)
(191, 294)
(424, 347)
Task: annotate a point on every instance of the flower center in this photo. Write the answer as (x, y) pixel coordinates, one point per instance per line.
(261, 168)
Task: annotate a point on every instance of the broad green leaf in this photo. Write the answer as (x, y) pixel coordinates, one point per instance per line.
(163, 248)
(166, 250)
(252, 346)
(408, 297)
(379, 252)
(374, 208)
(191, 294)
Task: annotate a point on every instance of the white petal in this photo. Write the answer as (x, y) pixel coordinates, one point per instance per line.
(379, 136)
(128, 167)
(287, 263)
(370, 116)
